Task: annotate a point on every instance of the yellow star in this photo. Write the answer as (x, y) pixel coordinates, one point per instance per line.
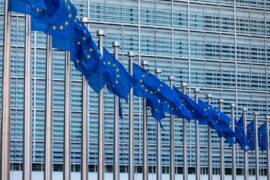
(79, 43)
(88, 56)
(117, 70)
(141, 81)
(69, 7)
(70, 15)
(61, 27)
(78, 61)
(146, 90)
(151, 92)
(118, 76)
(114, 65)
(91, 50)
(84, 38)
(66, 23)
(109, 62)
(158, 90)
(116, 82)
(161, 85)
(37, 9)
(54, 27)
(142, 85)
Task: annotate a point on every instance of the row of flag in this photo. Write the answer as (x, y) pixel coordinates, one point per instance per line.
(57, 18)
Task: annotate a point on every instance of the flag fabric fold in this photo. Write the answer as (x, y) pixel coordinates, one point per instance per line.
(251, 142)
(262, 136)
(240, 136)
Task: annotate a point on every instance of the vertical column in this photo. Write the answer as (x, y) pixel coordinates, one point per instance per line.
(84, 131)
(27, 128)
(100, 34)
(172, 166)
(67, 121)
(131, 124)
(210, 164)
(222, 170)
(198, 165)
(256, 114)
(5, 126)
(233, 146)
(268, 149)
(245, 152)
(158, 142)
(145, 135)
(185, 162)
(48, 115)
(116, 176)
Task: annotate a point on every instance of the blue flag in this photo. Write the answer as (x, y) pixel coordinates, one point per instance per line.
(240, 136)
(218, 121)
(197, 112)
(119, 81)
(57, 20)
(251, 135)
(142, 89)
(262, 136)
(27, 6)
(148, 86)
(156, 110)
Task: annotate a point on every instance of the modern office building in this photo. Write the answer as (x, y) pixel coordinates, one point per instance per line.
(220, 46)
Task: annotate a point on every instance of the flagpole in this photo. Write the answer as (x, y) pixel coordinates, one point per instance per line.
(245, 152)
(27, 128)
(145, 135)
(48, 115)
(158, 142)
(210, 169)
(5, 123)
(100, 34)
(84, 131)
(222, 170)
(233, 146)
(198, 166)
(172, 158)
(67, 121)
(268, 148)
(116, 176)
(131, 123)
(185, 162)
(256, 114)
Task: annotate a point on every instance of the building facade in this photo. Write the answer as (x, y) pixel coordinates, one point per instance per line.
(220, 46)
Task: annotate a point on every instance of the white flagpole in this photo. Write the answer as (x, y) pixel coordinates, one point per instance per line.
(27, 128)
(198, 159)
(67, 121)
(268, 148)
(222, 168)
(84, 131)
(245, 152)
(48, 116)
(210, 166)
(5, 126)
(172, 158)
(233, 146)
(131, 124)
(101, 154)
(158, 142)
(116, 175)
(185, 161)
(145, 135)
(256, 114)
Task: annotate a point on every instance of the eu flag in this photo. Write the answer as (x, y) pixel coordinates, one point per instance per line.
(196, 111)
(156, 110)
(119, 81)
(262, 136)
(240, 136)
(57, 20)
(251, 135)
(218, 121)
(148, 86)
(142, 89)
(27, 6)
